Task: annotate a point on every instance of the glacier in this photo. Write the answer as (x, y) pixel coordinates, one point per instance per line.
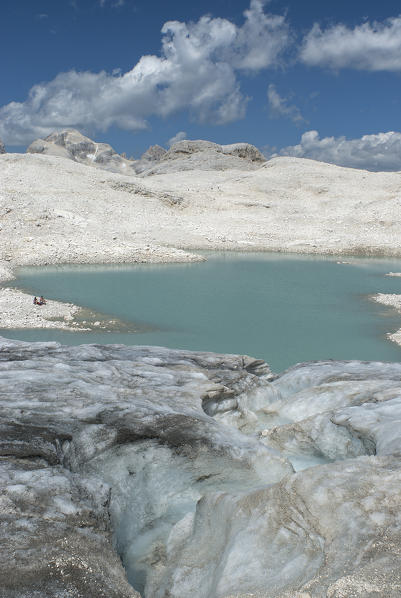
(168, 473)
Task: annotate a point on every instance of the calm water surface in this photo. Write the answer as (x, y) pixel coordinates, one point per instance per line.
(284, 309)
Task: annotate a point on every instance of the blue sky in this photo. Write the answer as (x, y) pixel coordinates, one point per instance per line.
(314, 79)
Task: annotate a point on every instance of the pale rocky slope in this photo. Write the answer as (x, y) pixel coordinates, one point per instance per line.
(54, 210)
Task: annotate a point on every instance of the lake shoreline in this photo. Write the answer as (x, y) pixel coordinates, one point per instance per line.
(18, 312)
(342, 280)
(16, 307)
(57, 211)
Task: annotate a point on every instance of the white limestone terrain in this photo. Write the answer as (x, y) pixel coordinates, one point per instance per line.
(56, 207)
(182, 463)
(55, 210)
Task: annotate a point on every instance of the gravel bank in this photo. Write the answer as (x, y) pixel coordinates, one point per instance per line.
(391, 300)
(18, 311)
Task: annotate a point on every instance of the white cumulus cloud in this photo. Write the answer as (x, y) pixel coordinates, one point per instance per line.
(370, 152)
(279, 106)
(370, 46)
(177, 137)
(196, 71)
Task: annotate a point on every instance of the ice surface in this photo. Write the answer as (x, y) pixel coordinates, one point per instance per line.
(186, 457)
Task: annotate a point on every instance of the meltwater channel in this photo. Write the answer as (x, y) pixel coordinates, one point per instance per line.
(284, 309)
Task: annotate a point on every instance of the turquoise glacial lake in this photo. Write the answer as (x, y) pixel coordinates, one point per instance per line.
(282, 308)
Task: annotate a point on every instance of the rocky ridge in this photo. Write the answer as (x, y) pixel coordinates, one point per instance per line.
(205, 155)
(180, 461)
(153, 154)
(183, 155)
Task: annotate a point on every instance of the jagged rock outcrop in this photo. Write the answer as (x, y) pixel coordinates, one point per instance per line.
(154, 153)
(240, 150)
(245, 151)
(2, 147)
(152, 156)
(75, 146)
(166, 451)
(206, 155)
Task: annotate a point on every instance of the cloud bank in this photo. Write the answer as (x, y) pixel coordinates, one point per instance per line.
(370, 47)
(177, 137)
(279, 106)
(196, 71)
(371, 152)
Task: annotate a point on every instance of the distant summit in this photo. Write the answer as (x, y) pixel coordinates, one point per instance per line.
(75, 146)
(152, 156)
(154, 153)
(183, 155)
(206, 155)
